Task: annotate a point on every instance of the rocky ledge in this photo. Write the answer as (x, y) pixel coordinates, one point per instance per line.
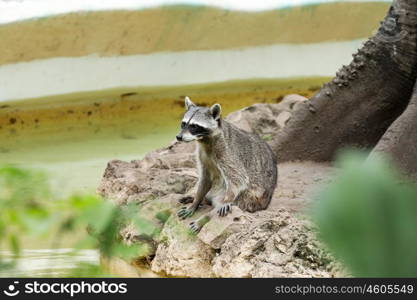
(277, 242)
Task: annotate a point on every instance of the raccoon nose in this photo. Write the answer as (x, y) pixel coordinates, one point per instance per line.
(179, 137)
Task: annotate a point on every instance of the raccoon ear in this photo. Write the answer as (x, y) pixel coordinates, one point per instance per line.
(215, 111)
(188, 103)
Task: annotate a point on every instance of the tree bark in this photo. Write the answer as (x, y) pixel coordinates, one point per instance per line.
(360, 103)
(399, 142)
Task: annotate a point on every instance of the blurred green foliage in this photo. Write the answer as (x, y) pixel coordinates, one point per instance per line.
(23, 209)
(368, 218)
(27, 207)
(84, 270)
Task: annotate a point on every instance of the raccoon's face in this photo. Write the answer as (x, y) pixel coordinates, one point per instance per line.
(199, 122)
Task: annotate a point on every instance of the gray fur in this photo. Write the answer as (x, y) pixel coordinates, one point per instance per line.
(235, 167)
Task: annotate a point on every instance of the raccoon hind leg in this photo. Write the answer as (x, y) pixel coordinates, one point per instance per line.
(250, 201)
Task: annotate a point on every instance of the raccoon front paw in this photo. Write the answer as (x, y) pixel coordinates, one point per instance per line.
(186, 200)
(195, 227)
(185, 212)
(224, 210)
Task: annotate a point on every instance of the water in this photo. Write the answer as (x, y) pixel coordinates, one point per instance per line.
(48, 262)
(45, 77)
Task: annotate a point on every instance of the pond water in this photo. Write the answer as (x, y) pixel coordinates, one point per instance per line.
(45, 77)
(48, 262)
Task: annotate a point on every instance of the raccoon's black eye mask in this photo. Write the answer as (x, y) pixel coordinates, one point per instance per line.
(195, 129)
(198, 130)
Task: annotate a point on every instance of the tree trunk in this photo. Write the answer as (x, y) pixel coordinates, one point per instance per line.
(360, 103)
(399, 142)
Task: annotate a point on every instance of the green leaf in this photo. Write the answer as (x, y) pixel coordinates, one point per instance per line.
(14, 244)
(368, 219)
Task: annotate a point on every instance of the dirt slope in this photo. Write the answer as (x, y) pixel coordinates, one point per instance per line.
(179, 28)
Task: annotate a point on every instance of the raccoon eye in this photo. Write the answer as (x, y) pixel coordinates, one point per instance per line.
(198, 130)
(183, 125)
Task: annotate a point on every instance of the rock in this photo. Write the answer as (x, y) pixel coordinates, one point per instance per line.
(182, 254)
(215, 232)
(283, 118)
(175, 156)
(258, 118)
(293, 101)
(270, 243)
(142, 181)
(119, 267)
(154, 213)
(266, 119)
(273, 245)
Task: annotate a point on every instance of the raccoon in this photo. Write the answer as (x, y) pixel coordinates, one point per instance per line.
(235, 167)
